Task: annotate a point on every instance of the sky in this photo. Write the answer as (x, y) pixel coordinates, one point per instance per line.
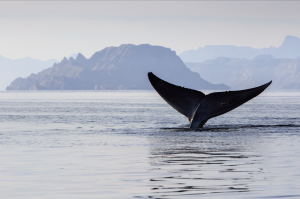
(54, 29)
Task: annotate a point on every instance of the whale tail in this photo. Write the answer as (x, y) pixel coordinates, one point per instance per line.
(197, 106)
(184, 100)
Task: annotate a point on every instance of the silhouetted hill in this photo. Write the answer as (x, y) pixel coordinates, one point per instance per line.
(11, 69)
(290, 48)
(123, 67)
(245, 73)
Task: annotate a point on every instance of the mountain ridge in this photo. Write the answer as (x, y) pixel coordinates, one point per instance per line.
(290, 48)
(11, 69)
(247, 73)
(123, 67)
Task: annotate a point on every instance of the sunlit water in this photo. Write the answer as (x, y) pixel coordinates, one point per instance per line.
(133, 145)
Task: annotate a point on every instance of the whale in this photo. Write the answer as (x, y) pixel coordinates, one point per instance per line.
(197, 106)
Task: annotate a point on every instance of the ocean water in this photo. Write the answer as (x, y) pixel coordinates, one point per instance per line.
(131, 144)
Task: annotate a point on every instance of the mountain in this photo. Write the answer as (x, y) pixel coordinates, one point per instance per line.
(290, 48)
(123, 67)
(74, 55)
(11, 69)
(244, 73)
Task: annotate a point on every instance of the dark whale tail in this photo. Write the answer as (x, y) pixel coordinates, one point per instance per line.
(197, 106)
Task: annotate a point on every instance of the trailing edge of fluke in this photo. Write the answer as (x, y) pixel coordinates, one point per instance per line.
(197, 106)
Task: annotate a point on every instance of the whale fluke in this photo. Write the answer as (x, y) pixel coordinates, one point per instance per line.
(184, 100)
(197, 106)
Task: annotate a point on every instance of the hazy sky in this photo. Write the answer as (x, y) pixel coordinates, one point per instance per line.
(45, 30)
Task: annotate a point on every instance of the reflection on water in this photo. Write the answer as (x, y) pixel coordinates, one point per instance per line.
(133, 145)
(192, 163)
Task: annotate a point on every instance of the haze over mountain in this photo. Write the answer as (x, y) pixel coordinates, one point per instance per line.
(244, 73)
(290, 48)
(123, 67)
(74, 55)
(11, 69)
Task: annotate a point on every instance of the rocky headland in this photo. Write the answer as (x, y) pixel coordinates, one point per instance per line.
(115, 68)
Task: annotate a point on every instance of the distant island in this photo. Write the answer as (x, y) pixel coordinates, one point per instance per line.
(116, 68)
(290, 48)
(11, 69)
(126, 67)
(246, 73)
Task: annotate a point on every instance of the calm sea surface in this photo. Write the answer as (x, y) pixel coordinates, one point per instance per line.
(134, 145)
